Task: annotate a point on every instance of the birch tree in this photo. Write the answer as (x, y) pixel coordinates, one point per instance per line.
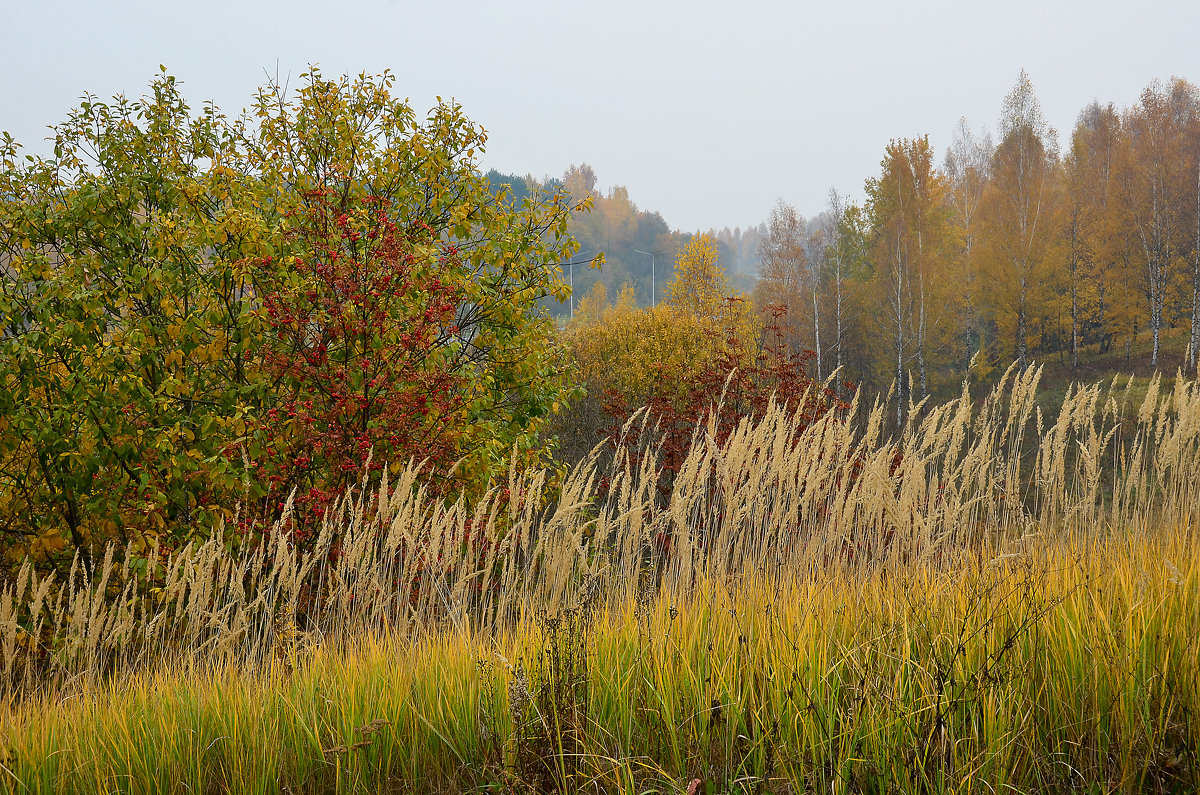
(1156, 186)
(1093, 244)
(835, 218)
(1017, 210)
(784, 271)
(909, 220)
(1194, 336)
(967, 167)
(814, 252)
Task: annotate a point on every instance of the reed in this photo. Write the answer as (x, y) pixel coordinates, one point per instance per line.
(988, 599)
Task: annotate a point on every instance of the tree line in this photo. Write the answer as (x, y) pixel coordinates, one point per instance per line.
(621, 244)
(1010, 250)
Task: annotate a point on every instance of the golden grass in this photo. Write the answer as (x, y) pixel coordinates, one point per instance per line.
(1010, 603)
(1047, 668)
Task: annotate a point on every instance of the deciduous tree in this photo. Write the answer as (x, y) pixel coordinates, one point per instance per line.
(145, 376)
(909, 220)
(785, 274)
(1156, 189)
(699, 287)
(1018, 215)
(967, 168)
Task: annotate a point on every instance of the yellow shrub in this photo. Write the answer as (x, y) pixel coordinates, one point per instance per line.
(642, 352)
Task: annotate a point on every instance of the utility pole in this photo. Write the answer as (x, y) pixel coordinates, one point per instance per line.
(653, 302)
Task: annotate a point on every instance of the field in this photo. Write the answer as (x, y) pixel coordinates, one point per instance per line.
(1001, 599)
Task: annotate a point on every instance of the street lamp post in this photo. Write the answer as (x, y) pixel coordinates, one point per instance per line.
(653, 302)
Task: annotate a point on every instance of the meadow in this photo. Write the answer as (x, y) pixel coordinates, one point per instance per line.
(993, 600)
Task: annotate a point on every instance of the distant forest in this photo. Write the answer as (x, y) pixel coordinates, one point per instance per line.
(1001, 251)
(634, 241)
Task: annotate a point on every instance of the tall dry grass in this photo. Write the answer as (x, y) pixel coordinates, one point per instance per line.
(1066, 665)
(837, 606)
(959, 478)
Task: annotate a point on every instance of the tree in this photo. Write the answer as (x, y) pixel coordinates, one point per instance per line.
(362, 357)
(785, 277)
(1094, 262)
(1156, 187)
(687, 370)
(1077, 237)
(129, 350)
(148, 387)
(629, 241)
(1098, 147)
(816, 245)
(967, 166)
(909, 223)
(631, 355)
(511, 187)
(1018, 214)
(592, 306)
(1193, 355)
(700, 286)
(833, 223)
(354, 140)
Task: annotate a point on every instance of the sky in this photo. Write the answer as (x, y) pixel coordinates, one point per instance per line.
(708, 112)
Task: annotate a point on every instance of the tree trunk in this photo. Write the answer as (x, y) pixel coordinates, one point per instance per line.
(1074, 266)
(1022, 347)
(921, 343)
(838, 285)
(837, 218)
(817, 325)
(899, 309)
(1194, 341)
(1156, 245)
(899, 376)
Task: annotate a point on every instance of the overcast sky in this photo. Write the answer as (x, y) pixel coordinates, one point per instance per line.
(707, 111)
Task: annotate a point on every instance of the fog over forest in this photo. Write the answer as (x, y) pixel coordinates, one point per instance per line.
(1024, 244)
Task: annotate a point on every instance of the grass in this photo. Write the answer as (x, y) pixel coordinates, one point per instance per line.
(831, 610)
(1047, 669)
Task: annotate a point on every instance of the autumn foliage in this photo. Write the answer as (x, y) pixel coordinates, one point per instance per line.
(1079, 249)
(740, 383)
(203, 317)
(637, 353)
(702, 361)
(359, 354)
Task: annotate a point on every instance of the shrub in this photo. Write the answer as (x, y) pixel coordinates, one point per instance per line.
(637, 353)
(739, 382)
(169, 278)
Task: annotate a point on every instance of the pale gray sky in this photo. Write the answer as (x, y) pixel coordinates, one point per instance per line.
(706, 111)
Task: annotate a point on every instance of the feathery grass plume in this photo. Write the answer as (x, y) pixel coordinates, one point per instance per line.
(987, 596)
(762, 499)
